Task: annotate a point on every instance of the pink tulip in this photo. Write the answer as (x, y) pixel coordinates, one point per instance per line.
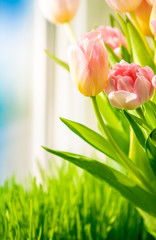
(59, 11)
(110, 35)
(129, 85)
(113, 37)
(123, 5)
(88, 61)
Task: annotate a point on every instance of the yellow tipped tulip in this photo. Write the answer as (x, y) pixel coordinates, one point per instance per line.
(88, 62)
(59, 11)
(124, 5)
(143, 13)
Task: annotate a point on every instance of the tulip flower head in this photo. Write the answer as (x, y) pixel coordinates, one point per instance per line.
(113, 37)
(142, 14)
(129, 85)
(59, 11)
(88, 62)
(123, 5)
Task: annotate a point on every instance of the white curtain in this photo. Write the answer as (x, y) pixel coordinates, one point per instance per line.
(54, 94)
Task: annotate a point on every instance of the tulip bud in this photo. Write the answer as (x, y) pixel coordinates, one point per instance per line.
(142, 14)
(153, 19)
(129, 85)
(113, 37)
(59, 11)
(88, 62)
(123, 5)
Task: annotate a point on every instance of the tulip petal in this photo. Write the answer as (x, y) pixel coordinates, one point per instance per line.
(88, 62)
(142, 88)
(59, 11)
(125, 83)
(124, 5)
(111, 86)
(123, 100)
(146, 72)
(154, 81)
(78, 64)
(153, 24)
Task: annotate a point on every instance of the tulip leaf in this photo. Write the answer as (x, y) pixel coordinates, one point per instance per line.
(151, 149)
(149, 109)
(154, 97)
(94, 139)
(120, 138)
(113, 117)
(58, 61)
(126, 32)
(107, 111)
(139, 51)
(126, 186)
(125, 54)
(137, 130)
(114, 22)
(113, 58)
(141, 122)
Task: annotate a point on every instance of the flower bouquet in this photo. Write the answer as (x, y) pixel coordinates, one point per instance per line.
(115, 66)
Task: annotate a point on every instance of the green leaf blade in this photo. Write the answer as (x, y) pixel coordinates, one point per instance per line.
(57, 60)
(151, 150)
(125, 54)
(114, 22)
(91, 137)
(141, 122)
(112, 116)
(137, 130)
(113, 58)
(149, 109)
(139, 51)
(127, 187)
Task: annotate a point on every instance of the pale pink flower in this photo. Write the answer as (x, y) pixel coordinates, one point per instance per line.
(123, 5)
(59, 11)
(88, 62)
(113, 37)
(129, 85)
(110, 35)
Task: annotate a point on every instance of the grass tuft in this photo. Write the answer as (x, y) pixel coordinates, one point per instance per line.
(67, 206)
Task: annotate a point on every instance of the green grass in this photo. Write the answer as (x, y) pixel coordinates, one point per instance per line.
(69, 205)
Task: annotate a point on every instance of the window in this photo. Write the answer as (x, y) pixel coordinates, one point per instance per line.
(34, 91)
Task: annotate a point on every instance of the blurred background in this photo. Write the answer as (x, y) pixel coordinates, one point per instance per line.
(34, 91)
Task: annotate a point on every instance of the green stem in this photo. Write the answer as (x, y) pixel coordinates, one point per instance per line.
(105, 129)
(132, 142)
(123, 158)
(136, 24)
(69, 32)
(154, 97)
